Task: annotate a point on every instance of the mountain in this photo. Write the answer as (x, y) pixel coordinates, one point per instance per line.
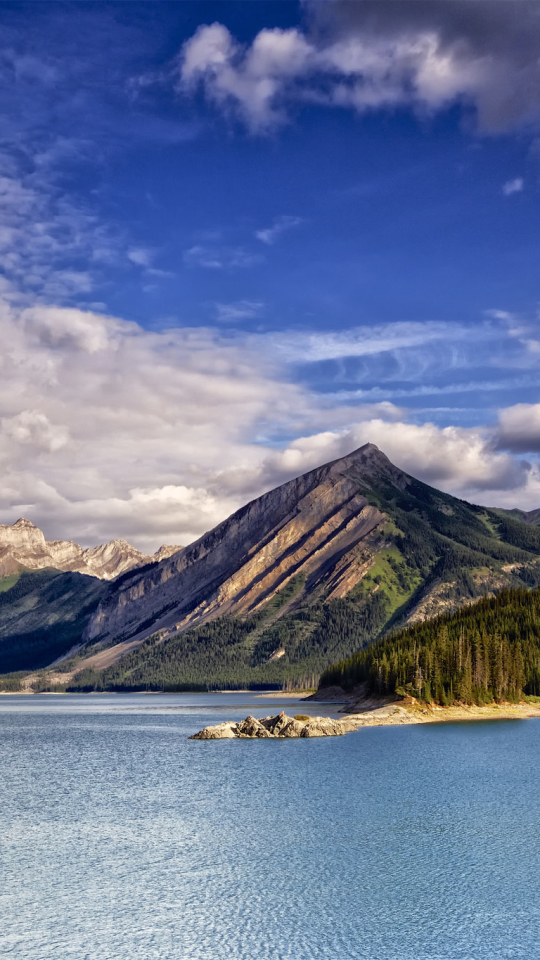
(303, 576)
(526, 516)
(300, 578)
(24, 545)
(49, 589)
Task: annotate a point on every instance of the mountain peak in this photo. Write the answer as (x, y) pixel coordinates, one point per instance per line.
(368, 463)
(24, 544)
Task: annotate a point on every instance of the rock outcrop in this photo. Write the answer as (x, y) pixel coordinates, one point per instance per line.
(278, 727)
(24, 545)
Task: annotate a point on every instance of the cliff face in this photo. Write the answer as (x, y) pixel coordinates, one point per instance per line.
(24, 544)
(318, 525)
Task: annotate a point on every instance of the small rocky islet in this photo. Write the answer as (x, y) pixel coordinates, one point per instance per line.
(278, 727)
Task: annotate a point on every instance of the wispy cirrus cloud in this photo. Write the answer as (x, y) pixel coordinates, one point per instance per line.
(278, 227)
(215, 257)
(238, 310)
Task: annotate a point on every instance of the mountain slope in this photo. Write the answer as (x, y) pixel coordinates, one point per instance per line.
(42, 615)
(24, 544)
(313, 525)
(531, 517)
(304, 575)
(299, 578)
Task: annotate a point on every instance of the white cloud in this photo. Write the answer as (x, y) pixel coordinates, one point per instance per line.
(219, 258)
(251, 80)
(238, 310)
(364, 341)
(52, 247)
(279, 226)
(519, 428)
(141, 256)
(463, 462)
(363, 60)
(513, 186)
(34, 429)
(108, 430)
(98, 414)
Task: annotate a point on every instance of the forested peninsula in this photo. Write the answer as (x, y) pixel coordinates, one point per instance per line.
(486, 652)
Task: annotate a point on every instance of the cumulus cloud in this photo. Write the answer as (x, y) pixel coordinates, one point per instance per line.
(519, 428)
(33, 429)
(513, 186)
(108, 430)
(111, 430)
(452, 458)
(372, 56)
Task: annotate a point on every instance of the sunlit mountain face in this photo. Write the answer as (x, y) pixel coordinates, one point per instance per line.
(239, 240)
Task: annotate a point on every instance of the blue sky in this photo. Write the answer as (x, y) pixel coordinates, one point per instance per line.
(238, 239)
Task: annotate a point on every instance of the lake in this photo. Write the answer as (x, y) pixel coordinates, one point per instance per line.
(120, 839)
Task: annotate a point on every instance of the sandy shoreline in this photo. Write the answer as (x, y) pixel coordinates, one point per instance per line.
(393, 714)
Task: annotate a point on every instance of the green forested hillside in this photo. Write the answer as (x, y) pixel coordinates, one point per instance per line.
(488, 651)
(42, 615)
(231, 653)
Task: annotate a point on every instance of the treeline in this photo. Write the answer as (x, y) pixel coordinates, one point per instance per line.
(230, 653)
(484, 652)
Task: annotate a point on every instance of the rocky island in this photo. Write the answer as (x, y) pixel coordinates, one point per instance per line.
(281, 726)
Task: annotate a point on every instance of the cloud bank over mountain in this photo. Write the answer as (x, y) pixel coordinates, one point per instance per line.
(108, 429)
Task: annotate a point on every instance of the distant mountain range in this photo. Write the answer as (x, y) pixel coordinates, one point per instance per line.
(24, 545)
(295, 580)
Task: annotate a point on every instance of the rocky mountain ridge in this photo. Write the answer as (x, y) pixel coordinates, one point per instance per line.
(24, 545)
(292, 582)
(356, 529)
(319, 526)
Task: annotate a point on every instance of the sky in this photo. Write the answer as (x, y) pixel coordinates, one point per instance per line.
(240, 239)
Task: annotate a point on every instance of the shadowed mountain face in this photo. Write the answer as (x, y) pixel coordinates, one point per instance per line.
(299, 578)
(42, 615)
(24, 544)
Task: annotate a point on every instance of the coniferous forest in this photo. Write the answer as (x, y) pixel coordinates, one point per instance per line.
(487, 651)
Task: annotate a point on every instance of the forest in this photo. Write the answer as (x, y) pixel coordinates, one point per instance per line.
(488, 651)
(230, 653)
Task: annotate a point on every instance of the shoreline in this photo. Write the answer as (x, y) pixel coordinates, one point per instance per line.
(394, 714)
(26, 691)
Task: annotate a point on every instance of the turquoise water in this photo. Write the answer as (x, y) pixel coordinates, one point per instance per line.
(122, 840)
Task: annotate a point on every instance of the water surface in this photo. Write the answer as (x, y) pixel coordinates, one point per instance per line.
(120, 839)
